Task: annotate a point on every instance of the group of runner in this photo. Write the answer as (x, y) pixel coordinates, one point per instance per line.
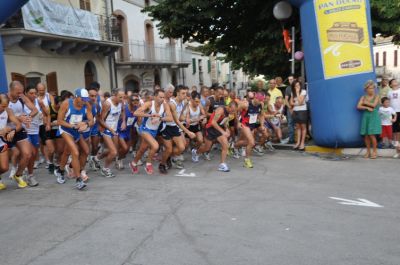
(74, 129)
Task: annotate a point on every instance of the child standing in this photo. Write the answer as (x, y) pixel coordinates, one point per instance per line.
(371, 123)
(388, 116)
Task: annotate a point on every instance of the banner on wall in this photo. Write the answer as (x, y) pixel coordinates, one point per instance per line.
(50, 17)
(344, 37)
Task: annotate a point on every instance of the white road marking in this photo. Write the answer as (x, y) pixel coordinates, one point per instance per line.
(360, 202)
(183, 174)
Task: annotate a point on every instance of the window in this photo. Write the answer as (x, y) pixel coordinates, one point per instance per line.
(395, 58)
(84, 4)
(194, 65)
(90, 73)
(209, 66)
(377, 59)
(384, 58)
(146, 3)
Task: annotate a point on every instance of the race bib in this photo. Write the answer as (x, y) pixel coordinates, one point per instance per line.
(75, 119)
(130, 121)
(253, 118)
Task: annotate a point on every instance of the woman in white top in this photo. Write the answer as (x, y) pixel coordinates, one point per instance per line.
(300, 114)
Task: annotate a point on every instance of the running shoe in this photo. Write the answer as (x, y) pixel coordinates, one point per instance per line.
(80, 184)
(140, 162)
(12, 172)
(41, 160)
(397, 155)
(169, 163)
(177, 163)
(106, 172)
(258, 150)
(47, 165)
(149, 169)
(51, 168)
(248, 163)
(84, 176)
(285, 141)
(134, 168)
(236, 154)
(206, 156)
(243, 152)
(180, 158)
(32, 182)
(269, 146)
(223, 167)
(20, 181)
(60, 175)
(2, 185)
(119, 164)
(162, 169)
(70, 171)
(195, 156)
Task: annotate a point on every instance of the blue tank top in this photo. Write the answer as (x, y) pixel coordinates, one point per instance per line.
(73, 115)
(130, 119)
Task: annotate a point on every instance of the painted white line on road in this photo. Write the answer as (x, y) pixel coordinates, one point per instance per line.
(360, 202)
(183, 174)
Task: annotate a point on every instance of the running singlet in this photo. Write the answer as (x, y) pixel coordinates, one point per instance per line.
(215, 104)
(221, 121)
(194, 115)
(250, 116)
(73, 115)
(53, 116)
(130, 119)
(179, 109)
(113, 115)
(36, 121)
(3, 124)
(153, 123)
(18, 109)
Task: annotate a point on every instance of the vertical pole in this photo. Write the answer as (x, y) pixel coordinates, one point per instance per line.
(230, 76)
(293, 48)
(3, 75)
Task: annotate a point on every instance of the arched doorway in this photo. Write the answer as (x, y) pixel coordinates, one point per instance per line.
(90, 73)
(132, 83)
(149, 37)
(174, 78)
(120, 29)
(157, 78)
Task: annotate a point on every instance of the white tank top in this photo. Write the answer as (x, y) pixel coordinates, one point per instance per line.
(36, 121)
(179, 109)
(194, 115)
(3, 124)
(18, 110)
(113, 115)
(154, 123)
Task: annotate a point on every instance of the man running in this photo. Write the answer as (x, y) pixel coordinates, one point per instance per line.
(153, 113)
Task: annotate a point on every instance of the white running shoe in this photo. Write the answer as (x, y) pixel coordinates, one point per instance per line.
(207, 156)
(397, 155)
(106, 172)
(36, 164)
(12, 172)
(223, 167)
(195, 156)
(120, 164)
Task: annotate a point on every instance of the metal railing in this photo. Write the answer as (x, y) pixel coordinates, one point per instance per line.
(108, 26)
(141, 52)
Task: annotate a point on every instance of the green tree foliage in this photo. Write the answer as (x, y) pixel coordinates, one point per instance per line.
(246, 31)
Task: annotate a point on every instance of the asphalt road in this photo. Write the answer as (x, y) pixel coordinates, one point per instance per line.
(279, 212)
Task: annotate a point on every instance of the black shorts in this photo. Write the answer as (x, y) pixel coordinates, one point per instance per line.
(252, 126)
(170, 132)
(396, 124)
(300, 117)
(52, 134)
(212, 134)
(42, 134)
(195, 128)
(19, 136)
(232, 123)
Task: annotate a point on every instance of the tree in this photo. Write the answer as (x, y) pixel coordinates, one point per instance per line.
(246, 31)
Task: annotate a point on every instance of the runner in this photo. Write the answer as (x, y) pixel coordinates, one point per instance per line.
(52, 137)
(124, 136)
(196, 117)
(216, 130)
(33, 131)
(173, 139)
(252, 118)
(70, 120)
(7, 134)
(20, 145)
(111, 112)
(95, 101)
(153, 113)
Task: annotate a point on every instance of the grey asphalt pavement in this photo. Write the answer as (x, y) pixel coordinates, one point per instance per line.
(279, 212)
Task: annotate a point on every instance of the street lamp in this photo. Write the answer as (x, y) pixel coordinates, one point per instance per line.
(283, 11)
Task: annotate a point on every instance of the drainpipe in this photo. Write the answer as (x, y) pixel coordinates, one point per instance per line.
(108, 29)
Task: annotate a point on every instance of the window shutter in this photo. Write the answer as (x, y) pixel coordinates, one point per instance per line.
(384, 58)
(18, 77)
(51, 80)
(209, 66)
(194, 65)
(395, 58)
(377, 59)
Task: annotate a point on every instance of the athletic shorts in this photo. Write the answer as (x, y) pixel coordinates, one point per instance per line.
(34, 139)
(3, 148)
(126, 135)
(387, 132)
(86, 135)
(42, 134)
(170, 132)
(252, 126)
(18, 137)
(107, 133)
(232, 123)
(52, 134)
(212, 134)
(195, 128)
(270, 124)
(94, 131)
(396, 124)
(74, 133)
(144, 129)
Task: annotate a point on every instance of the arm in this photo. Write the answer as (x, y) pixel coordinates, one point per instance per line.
(106, 108)
(394, 117)
(175, 117)
(123, 117)
(168, 114)
(30, 105)
(373, 104)
(218, 113)
(61, 116)
(140, 112)
(7, 132)
(361, 105)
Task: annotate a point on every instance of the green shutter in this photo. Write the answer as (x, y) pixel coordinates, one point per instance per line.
(194, 65)
(209, 66)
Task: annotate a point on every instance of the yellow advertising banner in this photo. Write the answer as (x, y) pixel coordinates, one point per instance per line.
(344, 37)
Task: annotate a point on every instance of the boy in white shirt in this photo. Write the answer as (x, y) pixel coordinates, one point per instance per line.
(388, 116)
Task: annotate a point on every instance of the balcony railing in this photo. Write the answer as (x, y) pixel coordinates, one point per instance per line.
(108, 26)
(142, 53)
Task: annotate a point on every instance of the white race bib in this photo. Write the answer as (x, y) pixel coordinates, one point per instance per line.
(75, 119)
(253, 118)
(130, 121)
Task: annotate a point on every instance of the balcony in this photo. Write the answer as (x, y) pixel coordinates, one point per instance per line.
(106, 42)
(141, 55)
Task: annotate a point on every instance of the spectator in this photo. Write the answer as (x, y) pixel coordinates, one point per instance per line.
(384, 88)
(289, 110)
(300, 115)
(388, 116)
(275, 118)
(274, 91)
(371, 123)
(394, 97)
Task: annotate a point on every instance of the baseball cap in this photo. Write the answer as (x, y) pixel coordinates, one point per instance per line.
(82, 93)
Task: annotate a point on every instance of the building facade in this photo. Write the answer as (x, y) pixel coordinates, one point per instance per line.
(386, 57)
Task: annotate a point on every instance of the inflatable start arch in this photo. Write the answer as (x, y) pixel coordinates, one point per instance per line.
(338, 57)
